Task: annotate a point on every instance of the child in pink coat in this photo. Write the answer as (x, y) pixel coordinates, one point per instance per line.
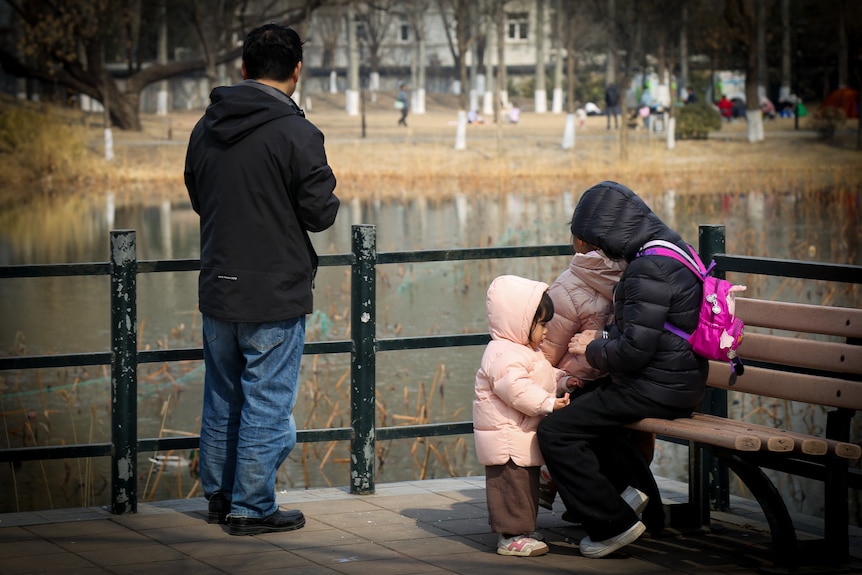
(515, 388)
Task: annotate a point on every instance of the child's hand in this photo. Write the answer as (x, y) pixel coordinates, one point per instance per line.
(561, 402)
(574, 383)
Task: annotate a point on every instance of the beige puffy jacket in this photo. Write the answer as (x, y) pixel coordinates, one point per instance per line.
(583, 299)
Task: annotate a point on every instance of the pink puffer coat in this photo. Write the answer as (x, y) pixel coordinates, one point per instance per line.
(515, 385)
(583, 299)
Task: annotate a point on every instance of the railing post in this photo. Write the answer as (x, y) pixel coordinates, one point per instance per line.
(711, 238)
(124, 373)
(363, 362)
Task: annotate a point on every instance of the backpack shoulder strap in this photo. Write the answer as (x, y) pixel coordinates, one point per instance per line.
(663, 248)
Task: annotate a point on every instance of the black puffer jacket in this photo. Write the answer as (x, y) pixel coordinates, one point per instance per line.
(640, 352)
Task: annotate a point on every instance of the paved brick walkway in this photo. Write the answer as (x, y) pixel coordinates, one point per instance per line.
(423, 527)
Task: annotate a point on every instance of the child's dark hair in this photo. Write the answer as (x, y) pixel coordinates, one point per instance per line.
(544, 312)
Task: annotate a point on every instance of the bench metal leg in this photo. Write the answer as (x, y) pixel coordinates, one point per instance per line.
(785, 546)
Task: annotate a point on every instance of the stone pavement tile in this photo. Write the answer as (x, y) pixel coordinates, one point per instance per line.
(112, 557)
(231, 545)
(76, 543)
(49, 564)
(470, 526)
(489, 563)
(162, 518)
(303, 539)
(410, 501)
(363, 519)
(432, 545)
(35, 547)
(344, 506)
(395, 566)
(336, 554)
(200, 531)
(259, 561)
(186, 566)
(457, 510)
(81, 529)
(8, 534)
(397, 532)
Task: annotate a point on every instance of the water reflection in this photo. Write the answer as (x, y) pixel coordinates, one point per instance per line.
(60, 315)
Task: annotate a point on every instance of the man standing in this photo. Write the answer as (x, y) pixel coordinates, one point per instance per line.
(612, 105)
(402, 102)
(257, 174)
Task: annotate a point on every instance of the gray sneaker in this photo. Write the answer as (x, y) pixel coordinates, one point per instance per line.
(594, 550)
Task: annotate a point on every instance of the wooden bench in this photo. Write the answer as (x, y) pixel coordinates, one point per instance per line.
(809, 354)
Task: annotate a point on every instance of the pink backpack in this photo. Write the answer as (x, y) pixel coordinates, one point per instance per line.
(719, 332)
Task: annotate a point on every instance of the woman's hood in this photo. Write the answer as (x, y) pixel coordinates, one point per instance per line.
(613, 218)
(511, 304)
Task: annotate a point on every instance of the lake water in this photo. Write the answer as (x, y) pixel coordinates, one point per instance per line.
(62, 315)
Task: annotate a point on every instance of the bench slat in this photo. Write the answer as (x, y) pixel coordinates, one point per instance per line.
(821, 355)
(807, 444)
(828, 391)
(828, 320)
(685, 428)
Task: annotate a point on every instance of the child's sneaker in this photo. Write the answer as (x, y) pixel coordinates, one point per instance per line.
(547, 489)
(520, 546)
(635, 499)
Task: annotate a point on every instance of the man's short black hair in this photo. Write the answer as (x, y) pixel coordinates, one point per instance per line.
(271, 52)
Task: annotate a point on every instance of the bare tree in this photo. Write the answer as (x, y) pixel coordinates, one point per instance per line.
(68, 43)
(742, 18)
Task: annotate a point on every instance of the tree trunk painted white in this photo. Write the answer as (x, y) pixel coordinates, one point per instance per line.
(611, 64)
(109, 144)
(474, 100)
(761, 52)
(418, 104)
(755, 125)
(541, 98)
(786, 54)
(671, 136)
(488, 103)
(352, 63)
(557, 102)
(461, 131)
(352, 102)
(162, 97)
(569, 132)
(683, 55)
(541, 95)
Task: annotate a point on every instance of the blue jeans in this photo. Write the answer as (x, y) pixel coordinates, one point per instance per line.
(247, 428)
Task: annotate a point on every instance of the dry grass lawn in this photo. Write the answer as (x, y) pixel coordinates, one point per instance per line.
(393, 161)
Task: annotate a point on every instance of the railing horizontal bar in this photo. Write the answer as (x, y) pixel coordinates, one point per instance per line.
(51, 270)
(473, 254)
(789, 268)
(336, 260)
(184, 265)
(59, 360)
(427, 342)
(55, 452)
(425, 430)
(322, 347)
(179, 354)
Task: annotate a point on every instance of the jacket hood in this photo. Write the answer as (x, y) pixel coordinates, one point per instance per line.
(613, 218)
(238, 110)
(511, 305)
(597, 271)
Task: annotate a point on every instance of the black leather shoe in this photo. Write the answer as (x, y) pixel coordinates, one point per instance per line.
(219, 507)
(278, 521)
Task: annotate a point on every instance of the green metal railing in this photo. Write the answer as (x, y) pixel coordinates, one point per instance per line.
(362, 346)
